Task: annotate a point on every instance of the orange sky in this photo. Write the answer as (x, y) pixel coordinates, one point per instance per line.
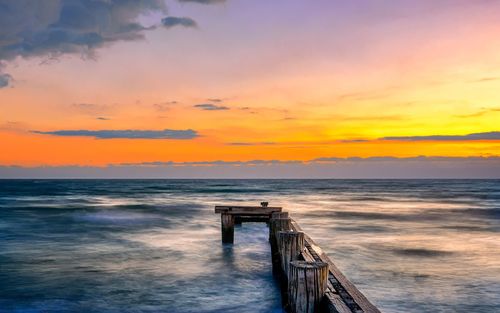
(286, 90)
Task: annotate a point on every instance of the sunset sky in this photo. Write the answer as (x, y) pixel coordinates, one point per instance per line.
(106, 84)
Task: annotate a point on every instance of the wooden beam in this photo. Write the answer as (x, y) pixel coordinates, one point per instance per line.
(250, 218)
(247, 210)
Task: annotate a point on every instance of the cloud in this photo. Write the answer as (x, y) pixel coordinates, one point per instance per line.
(264, 143)
(5, 80)
(125, 134)
(210, 107)
(40, 28)
(495, 135)
(485, 79)
(213, 163)
(102, 118)
(173, 21)
(376, 167)
(203, 1)
(482, 112)
(354, 140)
(164, 106)
(216, 100)
(50, 29)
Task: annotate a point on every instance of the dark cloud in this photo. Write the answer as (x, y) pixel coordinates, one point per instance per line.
(50, 28)
(102, 118)
(203, 1)
(173, 21)
(125, 134)
(210, 107)
(5, 80)
(495, 135)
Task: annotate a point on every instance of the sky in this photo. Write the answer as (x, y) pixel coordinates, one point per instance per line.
(241, 88)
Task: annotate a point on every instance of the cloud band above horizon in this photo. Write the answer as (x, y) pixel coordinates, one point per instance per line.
(124, 134)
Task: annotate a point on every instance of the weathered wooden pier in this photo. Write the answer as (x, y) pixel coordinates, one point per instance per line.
(310, 282)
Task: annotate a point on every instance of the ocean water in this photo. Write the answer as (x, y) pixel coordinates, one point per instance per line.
(154, 245)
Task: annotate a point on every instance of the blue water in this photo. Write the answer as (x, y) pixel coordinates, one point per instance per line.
(154, 245)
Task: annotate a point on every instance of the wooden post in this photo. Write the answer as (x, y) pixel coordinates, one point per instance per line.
(277, 224)
(290, 245)
(227, 228)
(307, 286)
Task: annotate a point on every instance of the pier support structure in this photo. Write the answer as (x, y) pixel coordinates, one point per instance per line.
(307, 286)
(227, 228)
(310, 281)
(290, 246)
(231, 215)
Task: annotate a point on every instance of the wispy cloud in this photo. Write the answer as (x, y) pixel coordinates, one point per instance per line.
(264, 143)
(124, 134)
(216, 100)
(102, 118)
(173, 21)
(90, 108)
(485, 79)
(164, 106)
(495, 135)
(210, 107)
(354, 140)
(482, 112)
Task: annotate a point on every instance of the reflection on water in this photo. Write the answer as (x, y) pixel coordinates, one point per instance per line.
(154, 245)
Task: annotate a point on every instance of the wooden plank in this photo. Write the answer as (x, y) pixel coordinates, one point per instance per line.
(335, 303)
(332, 304)
(359, 299)
(251, 210)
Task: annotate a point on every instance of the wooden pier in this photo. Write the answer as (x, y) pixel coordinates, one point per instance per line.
(310, 281)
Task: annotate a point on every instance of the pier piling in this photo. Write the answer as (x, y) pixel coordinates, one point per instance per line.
(307, 286)
(276, 225)
(290, 246)
(227, 228)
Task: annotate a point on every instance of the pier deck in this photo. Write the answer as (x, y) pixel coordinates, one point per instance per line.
(310, 280)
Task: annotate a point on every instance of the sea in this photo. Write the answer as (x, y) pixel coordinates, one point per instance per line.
(155, 245)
